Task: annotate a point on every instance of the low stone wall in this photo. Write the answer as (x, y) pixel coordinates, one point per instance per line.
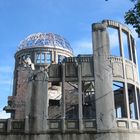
(74, 136)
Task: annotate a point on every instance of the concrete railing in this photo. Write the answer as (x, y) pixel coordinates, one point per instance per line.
(124, 123)
(9, 125)
(54, 125)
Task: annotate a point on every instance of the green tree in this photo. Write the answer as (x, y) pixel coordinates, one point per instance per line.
(132, 17)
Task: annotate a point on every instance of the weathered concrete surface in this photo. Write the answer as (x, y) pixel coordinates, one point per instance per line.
(103, 79)
(37, 103)
(74, 136)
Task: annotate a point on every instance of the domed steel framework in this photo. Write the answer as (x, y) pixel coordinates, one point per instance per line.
(43, 40)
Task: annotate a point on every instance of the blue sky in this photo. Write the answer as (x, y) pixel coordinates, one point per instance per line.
(69, 18)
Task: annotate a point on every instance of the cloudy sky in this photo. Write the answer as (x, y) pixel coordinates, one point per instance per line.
(69, 18)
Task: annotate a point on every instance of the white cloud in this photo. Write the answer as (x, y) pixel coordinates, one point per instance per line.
(4, 115)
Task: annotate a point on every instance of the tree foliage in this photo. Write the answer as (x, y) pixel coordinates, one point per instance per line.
(133, 17)
(133, 0)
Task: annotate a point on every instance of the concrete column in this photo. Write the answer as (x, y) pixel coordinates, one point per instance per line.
(9, 125)
(27, 128)
(28, 103)
(120, 41)
(52, 55)
(104, 98)
(132, 59)
(55, 56)
(137, 104)
(63, 99)
(34, 57)
(80, 98)
(39, 102)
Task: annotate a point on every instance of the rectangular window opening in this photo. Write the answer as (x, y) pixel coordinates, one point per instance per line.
(88, 102)
(132, 102)
(119, 100)
(48, 58)
(126, 46)
(114, 42)
(133, 50)
(38, 58)
(43, 58)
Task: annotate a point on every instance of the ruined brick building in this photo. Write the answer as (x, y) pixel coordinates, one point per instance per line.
(59, 96)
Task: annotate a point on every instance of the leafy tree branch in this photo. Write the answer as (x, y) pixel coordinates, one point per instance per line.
(132, 17)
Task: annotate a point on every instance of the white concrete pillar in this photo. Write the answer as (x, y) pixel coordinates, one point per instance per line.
(63, 99)
(80, 106)
(27, 128)
(104, 98)
(39, 103)
(9, 127)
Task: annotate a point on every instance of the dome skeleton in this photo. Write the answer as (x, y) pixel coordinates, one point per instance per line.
(45, 39)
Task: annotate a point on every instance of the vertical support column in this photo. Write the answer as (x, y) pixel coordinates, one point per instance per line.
(80, 106)
(137, 104)
(35, 56)
(45, 57)
(40, 56)
(120, 41)
(55, 56)
(52, 56)
(132, 58)
(63, 99)
(39, 102)
(27, 124)
(28, 101)
(104, 99)
(9, 125)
